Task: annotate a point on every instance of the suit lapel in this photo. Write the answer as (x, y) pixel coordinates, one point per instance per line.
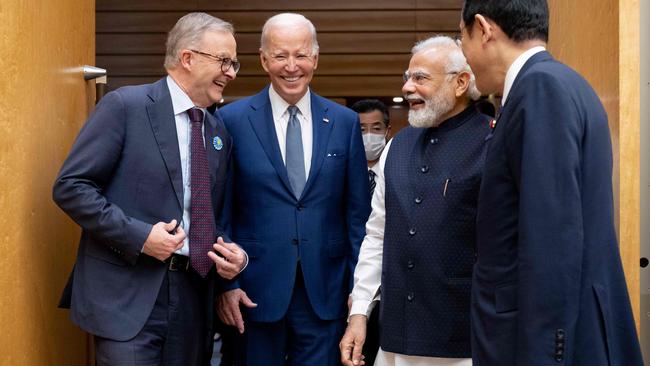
(212, 143)
(261, 120)
(322, 127)
(163, 124)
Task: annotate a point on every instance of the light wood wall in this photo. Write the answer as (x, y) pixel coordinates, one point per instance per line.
(365, 44)
(600, 39)
(44, 102)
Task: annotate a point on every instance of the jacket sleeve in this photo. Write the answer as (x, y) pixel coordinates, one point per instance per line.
(544, 148)
(357, 196)
(78, 189)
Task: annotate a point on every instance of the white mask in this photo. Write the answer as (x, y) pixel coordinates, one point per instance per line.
(374, 144)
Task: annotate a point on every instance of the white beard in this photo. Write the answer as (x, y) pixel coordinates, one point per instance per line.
(434, 108)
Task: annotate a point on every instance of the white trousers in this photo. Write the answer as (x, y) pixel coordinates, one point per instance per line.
(395, 359)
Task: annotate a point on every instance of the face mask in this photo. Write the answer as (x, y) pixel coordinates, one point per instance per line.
(374, 144)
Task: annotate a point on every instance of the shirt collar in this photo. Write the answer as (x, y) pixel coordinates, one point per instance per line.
(181, 102)
(514, 69)
(279, 106)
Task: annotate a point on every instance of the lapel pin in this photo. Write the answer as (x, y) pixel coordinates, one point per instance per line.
(493, 123)
(326, 120)
(217, 143)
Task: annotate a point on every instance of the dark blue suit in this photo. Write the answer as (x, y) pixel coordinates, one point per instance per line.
(322, 230)
(123, 174)
(548, 286)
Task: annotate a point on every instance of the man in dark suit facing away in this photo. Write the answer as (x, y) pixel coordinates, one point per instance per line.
(548, 285)
(300, 203)
(148, 167)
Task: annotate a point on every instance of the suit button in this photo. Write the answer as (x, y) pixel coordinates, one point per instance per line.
(433, 141)
(418, 200)
(300, 207)
(410, 265)
(294, 241)
(412, 231)
(410, 296)
(424, 169)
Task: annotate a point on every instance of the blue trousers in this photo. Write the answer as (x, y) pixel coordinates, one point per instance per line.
(301, 338)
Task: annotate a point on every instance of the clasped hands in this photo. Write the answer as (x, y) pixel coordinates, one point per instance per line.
(163, 241)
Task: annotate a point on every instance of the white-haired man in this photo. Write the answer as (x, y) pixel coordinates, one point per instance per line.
(300, 204)
(419, 244)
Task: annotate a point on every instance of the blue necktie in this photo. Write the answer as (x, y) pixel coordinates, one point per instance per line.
(295, 157)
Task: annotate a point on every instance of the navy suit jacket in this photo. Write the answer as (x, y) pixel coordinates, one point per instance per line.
(548, 285)
(325, 226)
(122, 176)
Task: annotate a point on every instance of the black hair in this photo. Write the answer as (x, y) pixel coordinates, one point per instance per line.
(369, 105)
(520, 20)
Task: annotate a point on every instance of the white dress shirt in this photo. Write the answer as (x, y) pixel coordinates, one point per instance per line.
(281, 120)
(514, 69)
(181, 103)
(367, 275)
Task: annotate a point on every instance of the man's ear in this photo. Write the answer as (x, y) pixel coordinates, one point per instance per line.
(485, 29)
(462, 83)
(186, 59)
(264, 60)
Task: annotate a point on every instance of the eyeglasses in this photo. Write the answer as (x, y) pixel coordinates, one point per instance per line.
(421, 78)
(226, 63)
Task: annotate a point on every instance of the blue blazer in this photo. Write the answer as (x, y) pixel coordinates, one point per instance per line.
(548, 285)
(122, 176)
(324, 227)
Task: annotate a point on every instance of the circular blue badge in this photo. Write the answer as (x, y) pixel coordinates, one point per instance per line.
(217, 143)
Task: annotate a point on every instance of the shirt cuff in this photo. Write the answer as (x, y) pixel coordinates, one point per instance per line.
(246, 262)
(362, 307)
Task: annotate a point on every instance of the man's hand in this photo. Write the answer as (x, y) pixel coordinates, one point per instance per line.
(233, 259)
(228, 307)
(352, 341)
(162, 242)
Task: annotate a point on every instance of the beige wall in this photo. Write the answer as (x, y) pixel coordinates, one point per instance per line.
(600, 39)
(43, 102)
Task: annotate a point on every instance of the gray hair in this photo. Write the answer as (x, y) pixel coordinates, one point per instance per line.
(188, 32)
(289, 19)
(455, 61)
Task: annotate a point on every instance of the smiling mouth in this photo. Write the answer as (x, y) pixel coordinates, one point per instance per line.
(219, 83)
(414, 102)
(291, 79)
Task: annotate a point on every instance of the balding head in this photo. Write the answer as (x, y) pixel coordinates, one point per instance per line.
(288, 21)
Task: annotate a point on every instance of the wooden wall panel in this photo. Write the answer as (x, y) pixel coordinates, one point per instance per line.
(325, 21)
(362, 53)
(248, 43)
(44, 102)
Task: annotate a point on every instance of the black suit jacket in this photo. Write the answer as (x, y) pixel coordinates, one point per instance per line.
(122, 176)
(548, 285)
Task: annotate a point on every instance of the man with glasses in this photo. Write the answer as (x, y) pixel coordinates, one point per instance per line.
(419, 245)
(146, 181)
(299, 207)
